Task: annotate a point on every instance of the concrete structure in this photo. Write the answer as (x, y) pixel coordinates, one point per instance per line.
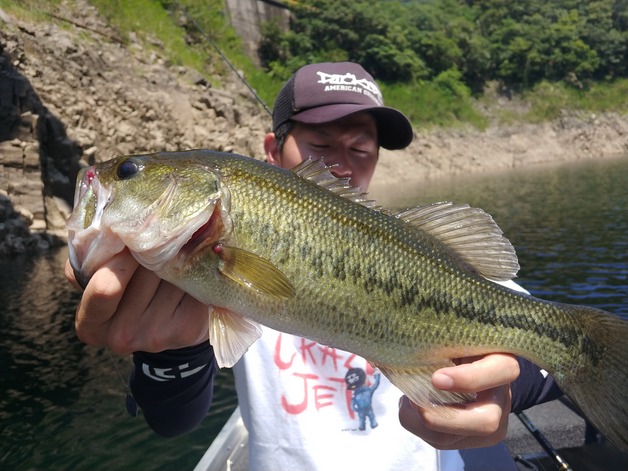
(247, 16)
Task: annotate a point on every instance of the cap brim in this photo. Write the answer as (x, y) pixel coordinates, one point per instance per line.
(393, 128)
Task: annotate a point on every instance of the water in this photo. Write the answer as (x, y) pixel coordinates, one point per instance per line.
(62, 403)
(568, 224)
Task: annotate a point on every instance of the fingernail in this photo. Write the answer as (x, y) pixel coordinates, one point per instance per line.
(442, 381)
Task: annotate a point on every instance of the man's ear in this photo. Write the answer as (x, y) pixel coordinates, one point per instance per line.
(271, 150)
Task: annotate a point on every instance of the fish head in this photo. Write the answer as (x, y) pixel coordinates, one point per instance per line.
(153, 205)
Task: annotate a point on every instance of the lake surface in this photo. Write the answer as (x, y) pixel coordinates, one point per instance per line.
(62, 403)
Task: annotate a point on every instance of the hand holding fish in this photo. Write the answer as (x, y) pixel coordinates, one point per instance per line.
(128, 308)
(481, 423)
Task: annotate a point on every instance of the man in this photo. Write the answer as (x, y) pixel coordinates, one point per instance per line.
(296, 395)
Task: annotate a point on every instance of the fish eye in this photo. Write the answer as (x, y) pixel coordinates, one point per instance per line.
(127, 169)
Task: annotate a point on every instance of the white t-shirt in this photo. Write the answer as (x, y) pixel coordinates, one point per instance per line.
(301, 413)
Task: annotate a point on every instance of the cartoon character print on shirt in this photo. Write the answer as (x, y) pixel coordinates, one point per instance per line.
(362, 399)
(318, 378)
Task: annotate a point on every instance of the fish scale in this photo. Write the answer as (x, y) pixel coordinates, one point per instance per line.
(304, 253)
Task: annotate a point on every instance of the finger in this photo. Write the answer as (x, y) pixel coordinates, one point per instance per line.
(101, 298)
(154, 315)
(412, 418)
(131, 325)
(69, 274)
(483, 417)
(488, 372)
(185, 317)
(139, 292)
(196, 320)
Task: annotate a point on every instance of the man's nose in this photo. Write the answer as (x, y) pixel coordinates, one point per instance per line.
(339, 164)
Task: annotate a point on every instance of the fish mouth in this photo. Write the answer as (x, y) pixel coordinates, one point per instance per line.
(156, 236)
(85, 202)
(84, 235)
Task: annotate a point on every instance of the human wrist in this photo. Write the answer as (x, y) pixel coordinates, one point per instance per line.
(174, 364)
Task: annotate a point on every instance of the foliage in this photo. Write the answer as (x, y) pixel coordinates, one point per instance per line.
(517, 43)
(549, 100)
(33, 10)
(439, 103)
(432, 58)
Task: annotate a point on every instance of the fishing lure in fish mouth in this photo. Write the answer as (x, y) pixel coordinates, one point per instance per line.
(305, 253)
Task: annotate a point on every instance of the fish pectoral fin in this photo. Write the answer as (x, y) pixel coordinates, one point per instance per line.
(231, 335)
(416, 383)
(255, 272)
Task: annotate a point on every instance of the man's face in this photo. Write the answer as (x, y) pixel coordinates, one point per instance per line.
(350, 144)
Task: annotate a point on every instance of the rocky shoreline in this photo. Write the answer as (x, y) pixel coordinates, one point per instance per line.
(72, 94)
(443, 154)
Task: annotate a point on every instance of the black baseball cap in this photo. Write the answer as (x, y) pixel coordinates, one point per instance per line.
(327, 91)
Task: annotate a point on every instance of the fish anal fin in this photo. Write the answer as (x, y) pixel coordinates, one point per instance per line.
(416, 383)
(231, 335)
(254, 272)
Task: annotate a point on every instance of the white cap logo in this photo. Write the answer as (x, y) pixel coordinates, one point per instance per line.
(350, 83)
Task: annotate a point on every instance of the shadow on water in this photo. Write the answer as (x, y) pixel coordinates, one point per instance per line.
(61, 402)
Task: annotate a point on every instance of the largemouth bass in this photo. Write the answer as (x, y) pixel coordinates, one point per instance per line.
(303, 252)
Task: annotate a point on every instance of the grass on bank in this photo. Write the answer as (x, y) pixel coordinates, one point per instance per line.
(195, 33)
(547, 100)
(29, 10)
(441, 102)
(161, 26)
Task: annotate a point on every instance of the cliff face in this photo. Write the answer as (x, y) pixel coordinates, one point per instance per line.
(72, 94)
(38, 161)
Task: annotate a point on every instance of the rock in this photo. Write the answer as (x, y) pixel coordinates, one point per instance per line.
(25, 214)
(38, 225)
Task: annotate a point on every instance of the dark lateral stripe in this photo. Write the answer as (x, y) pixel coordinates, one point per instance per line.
(570, 336)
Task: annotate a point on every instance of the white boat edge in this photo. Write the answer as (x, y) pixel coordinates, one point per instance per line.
(228, 449)
(564, 428)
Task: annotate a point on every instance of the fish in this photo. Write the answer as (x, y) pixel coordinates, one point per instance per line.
(306, 253)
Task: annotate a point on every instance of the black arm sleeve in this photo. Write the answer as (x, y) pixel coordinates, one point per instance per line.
(174, 388)
(532, 387)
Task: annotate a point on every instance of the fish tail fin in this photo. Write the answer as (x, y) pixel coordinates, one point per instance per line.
(599, 386)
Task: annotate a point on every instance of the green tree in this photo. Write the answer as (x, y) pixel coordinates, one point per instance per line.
(345, 30)
(519, 44)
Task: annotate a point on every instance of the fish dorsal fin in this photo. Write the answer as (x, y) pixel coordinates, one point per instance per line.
(231, 335)
(316, 171)
(471, 233)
